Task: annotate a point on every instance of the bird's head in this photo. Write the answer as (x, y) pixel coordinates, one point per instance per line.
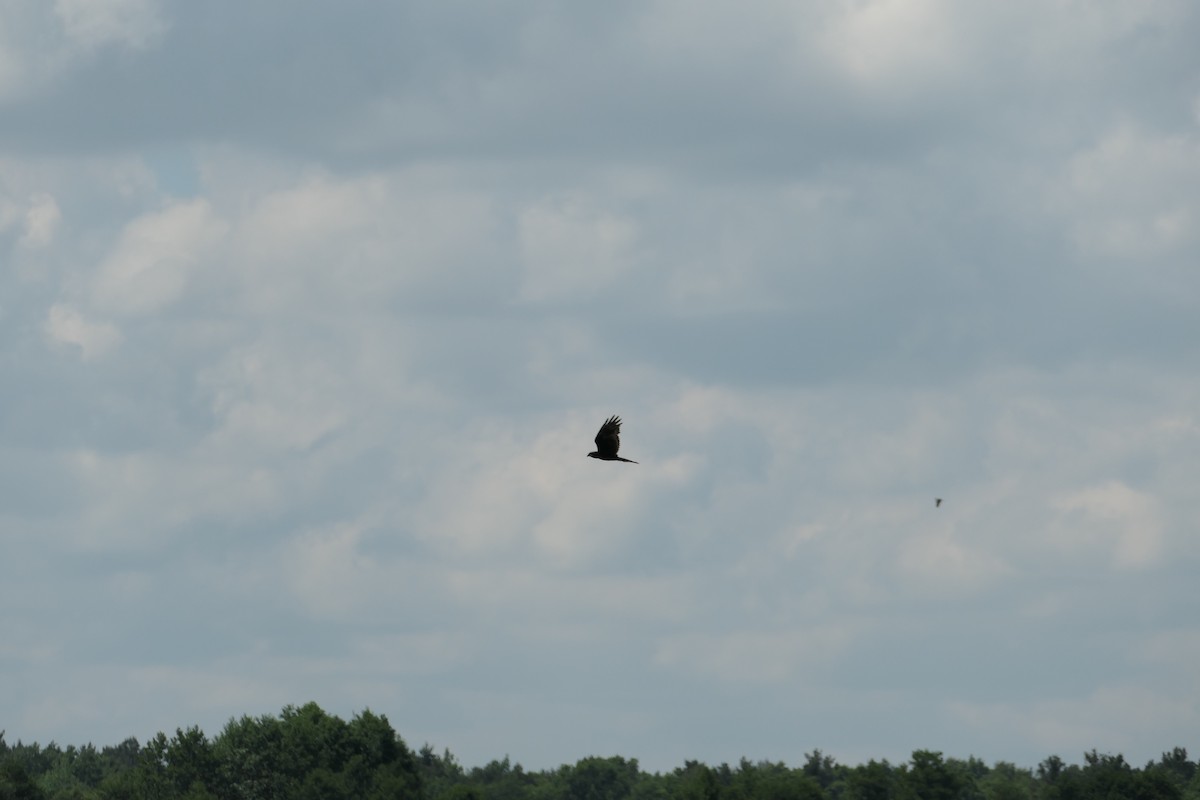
(594, 454)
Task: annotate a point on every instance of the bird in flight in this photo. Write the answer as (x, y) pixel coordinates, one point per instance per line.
(608, 441)
(937, 502)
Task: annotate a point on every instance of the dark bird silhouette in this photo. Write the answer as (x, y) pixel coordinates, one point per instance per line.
(608, 441)
(937, 502)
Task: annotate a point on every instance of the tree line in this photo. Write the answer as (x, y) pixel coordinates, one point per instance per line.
(307, 754)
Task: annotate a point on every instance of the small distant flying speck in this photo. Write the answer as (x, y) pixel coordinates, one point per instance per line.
(608, 441)
(937, 502)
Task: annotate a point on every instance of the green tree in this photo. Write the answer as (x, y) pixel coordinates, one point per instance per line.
(65, 777)
(463, 791)
(595, 778)
(743, 781)
(1049, 770)
(1177, 766)
(151, 771)
(1107, 776)
(651, 787)
(393, 782)
(501, 780)
(372, 737)
(322, 784)
(119, 785)
(312, 739)
(695, 781)
(16, 783)
(788, 785)
(248, 758)
(1006, 782)
(439, 774)
(821, 768)
(929, 778)
(120, 758)
(191, 763)
(1155, 784)
(379, 762)
(33, 759)
(874, 780)
(1192, 790)
(88, 766)
(308, 752)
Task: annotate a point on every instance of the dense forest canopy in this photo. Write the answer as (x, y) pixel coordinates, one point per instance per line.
(305, 753)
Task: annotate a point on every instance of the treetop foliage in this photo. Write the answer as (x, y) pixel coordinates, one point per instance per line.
(308, 754)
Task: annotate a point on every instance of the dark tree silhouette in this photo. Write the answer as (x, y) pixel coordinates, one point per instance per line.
(608, 441)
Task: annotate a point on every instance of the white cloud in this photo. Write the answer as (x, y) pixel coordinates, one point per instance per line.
(1171, 650)
(150, 266)
(328, 574)
(66, 325)
(945, 563)
(95, 23)
(721, 42)
(266, 396)
(1111, 515)
(42, 43)
(1112, 718)
(11, 73)
(10, 212)
(1132, 194)
(364, 242)
(571, 249)
(189, 486)
(896, 44)
(41, 221)
(750, 656)
(414, 653)
(505, 497)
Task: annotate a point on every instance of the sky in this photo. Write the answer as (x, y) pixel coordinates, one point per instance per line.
(309, 313)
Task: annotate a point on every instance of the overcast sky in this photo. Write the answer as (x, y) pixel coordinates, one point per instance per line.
(309, 313)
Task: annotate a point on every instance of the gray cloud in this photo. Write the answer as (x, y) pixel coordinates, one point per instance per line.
(308, 319)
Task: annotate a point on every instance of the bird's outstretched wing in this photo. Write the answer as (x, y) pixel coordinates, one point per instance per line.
(608, 440)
